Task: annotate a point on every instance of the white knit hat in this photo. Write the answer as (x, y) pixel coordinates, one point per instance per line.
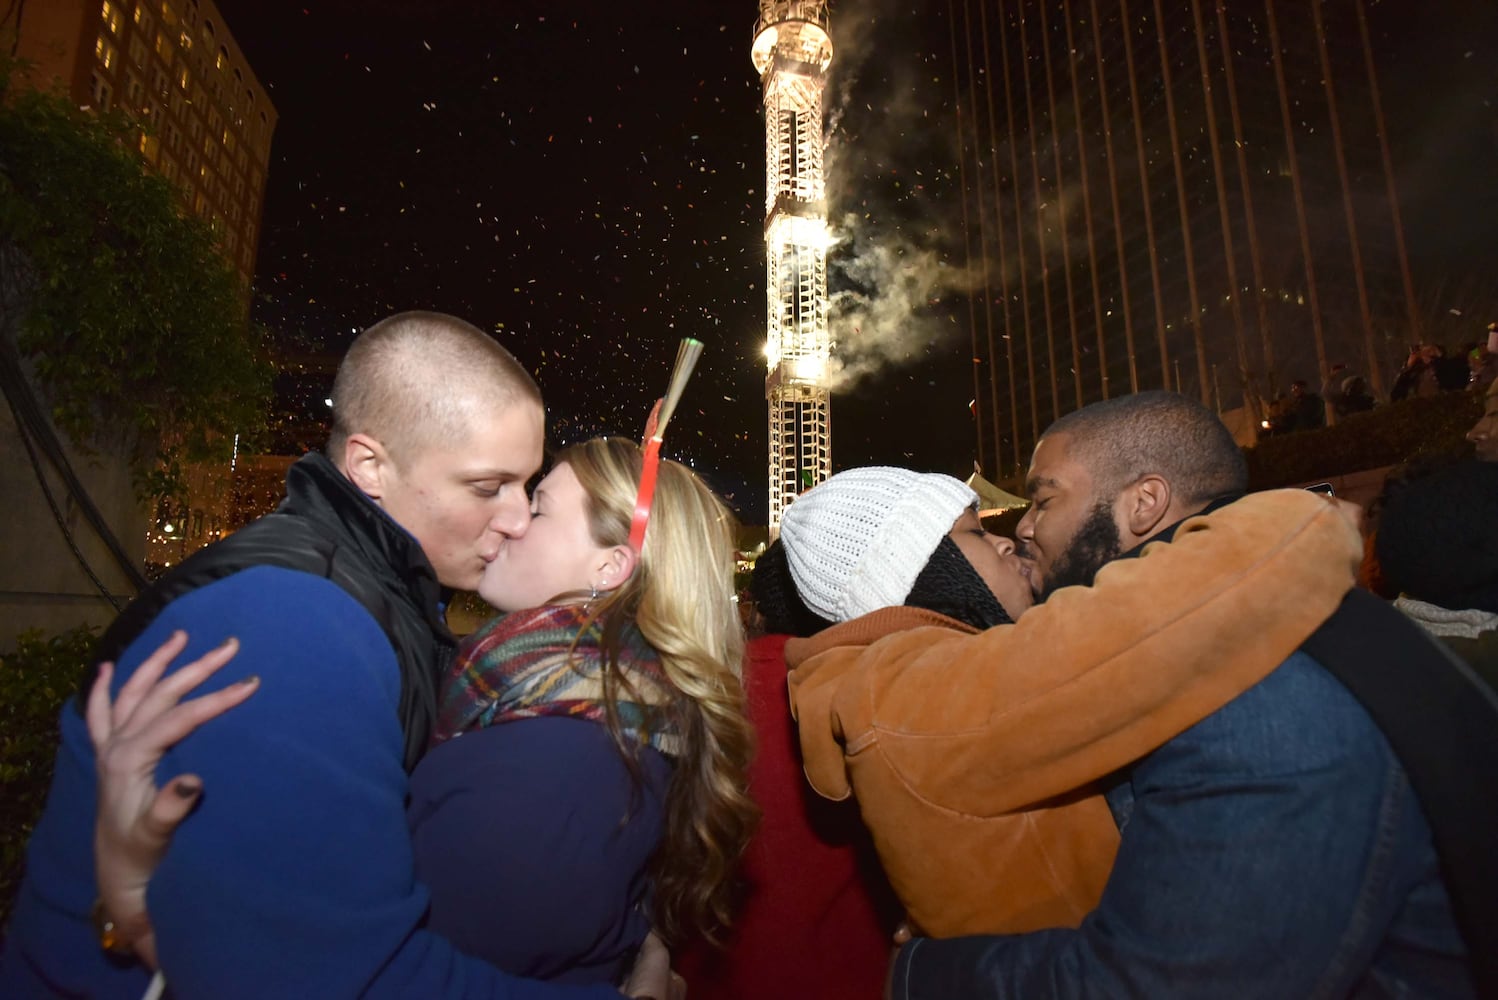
(857, 542)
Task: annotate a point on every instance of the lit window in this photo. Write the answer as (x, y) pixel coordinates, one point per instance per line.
(114, 18)
(223, 58)
(169, 15)
(185, 40)
(182, 77)
(163, 44)
(150, 147)
(106, 53)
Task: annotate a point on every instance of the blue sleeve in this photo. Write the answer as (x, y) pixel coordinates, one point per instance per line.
(521, 836)
(294, 876)
(1254, 864)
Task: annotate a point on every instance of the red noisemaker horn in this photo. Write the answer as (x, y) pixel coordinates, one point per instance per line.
(655, 429)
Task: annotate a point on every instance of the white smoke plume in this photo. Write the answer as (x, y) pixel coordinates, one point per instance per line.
(887, 307)
(898, 260)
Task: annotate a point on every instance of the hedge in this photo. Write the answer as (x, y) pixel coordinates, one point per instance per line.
(35, 681)
(1386, 436)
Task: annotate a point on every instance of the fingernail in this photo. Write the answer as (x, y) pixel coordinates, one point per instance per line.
(187, 789)
(251, 680)
(231, 641)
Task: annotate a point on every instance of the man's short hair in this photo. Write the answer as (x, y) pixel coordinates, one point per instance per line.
(415, 378)
(1157, 432)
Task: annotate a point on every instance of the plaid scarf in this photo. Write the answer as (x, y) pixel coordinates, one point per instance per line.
(524, 665)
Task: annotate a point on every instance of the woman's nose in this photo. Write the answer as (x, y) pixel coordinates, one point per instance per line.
(1004, 545)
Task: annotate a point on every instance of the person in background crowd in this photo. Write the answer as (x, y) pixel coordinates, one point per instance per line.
(1348, 393)
(1418, 376)
(817, 915)
(1308, 409)
(1331, 386)
(1483, 361)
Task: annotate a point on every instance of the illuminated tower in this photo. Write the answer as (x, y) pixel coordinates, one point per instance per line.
(791, 53)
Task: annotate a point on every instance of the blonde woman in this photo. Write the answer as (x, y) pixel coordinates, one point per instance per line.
(587, 777)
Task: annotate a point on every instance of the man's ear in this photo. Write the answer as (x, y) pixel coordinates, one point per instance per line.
(1144, 506)
(367, 464)
(617, 566)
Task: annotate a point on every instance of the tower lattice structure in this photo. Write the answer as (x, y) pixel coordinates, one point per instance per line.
(792, 51)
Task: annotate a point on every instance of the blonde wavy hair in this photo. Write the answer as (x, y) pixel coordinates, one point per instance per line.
(681, 597)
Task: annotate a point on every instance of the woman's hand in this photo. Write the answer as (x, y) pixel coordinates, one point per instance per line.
(652, 978)
(136, 820)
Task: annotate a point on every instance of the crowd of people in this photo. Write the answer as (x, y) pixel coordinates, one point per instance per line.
(1428, 371)
(1158, 744)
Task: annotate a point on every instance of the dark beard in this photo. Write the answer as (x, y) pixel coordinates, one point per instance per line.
(1095, 544)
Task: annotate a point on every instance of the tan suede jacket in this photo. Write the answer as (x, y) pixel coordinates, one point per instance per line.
(974, 754)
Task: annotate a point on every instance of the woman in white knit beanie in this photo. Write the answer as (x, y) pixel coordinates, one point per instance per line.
(882, 537)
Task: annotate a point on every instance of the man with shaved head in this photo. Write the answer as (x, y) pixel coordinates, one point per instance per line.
(1287, 844)
(295, 877)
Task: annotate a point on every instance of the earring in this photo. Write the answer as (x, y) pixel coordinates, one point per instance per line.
(593, 596)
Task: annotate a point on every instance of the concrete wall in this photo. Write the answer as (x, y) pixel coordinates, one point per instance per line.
(42, 584)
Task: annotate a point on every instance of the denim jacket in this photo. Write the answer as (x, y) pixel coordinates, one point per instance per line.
(1272, 850)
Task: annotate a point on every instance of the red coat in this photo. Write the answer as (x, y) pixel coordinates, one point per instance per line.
(817, 917)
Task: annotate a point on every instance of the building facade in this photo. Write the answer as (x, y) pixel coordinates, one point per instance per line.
(1190, 195)
(172, 65)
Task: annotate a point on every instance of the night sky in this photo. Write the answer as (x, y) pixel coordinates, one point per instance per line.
(585, 180)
